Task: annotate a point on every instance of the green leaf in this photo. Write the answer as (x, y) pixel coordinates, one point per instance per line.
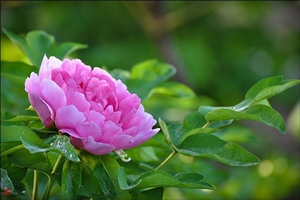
(176, 132)
(170, 139)
(37, 161)
(16, 173)
(120, 74)
(147, 75)
(62, 145)
(186, 177)
(239, 134)
(193, 121)
(15, 133)
(111, 167)
(254, 107)
(163, 179)
(39, 126)
(142, 154)
(122, 180)
(20, 42)
(35, 46)
(191, 180)
(38, 43)
(91, 160)
(193, 124)
(8, 146)
(105, 181)
(90, 185)
(71, 179)
(13, 75)
(22, 118)
(269, 87)
(6, 182)
(173, 89)
(152, 70)
(34, 144)
(204, 145)
(67, 48)
(19, 69)
(13, 78)
(260, 113)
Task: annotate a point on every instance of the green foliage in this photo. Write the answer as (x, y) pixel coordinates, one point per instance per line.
(150, 179)
(254, 107)
(192, 137)
(112, 167)
(210, 146)
(149, 77)
(39, 43)
(13, 75)
(71, 180)
(26, 145)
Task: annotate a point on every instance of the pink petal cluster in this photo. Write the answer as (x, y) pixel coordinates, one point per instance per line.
(94, 109)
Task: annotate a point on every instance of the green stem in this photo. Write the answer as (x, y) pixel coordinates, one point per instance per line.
(166, 160)
(12, 150)
(35, 185)
(206, 125)
(56, 164)
(51, 180)
(48, 188)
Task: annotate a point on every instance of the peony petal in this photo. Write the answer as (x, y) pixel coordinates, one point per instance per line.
(44, 69)
(63, 79)
(53, 94)
(142, 137)
(109, 110)
(96, 106)
(32, 84)
(104, 75)
(121, 91)
(110, 129)
(91, 146)
(68, 117)
(115, 117)
(87, 129)
(78, 100)
(131, 131)
(97, 148)
(69, 67)
(78, 142)
(42, 109)
(77, 70)
(148, 122)
(96, 117)
(48, 65)
(135, 121)
(120, 141)
(69, 131)
(128, 104)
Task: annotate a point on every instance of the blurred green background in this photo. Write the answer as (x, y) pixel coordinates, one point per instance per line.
(220, 49)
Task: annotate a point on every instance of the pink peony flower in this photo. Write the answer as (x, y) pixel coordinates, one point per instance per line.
(94, 109)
